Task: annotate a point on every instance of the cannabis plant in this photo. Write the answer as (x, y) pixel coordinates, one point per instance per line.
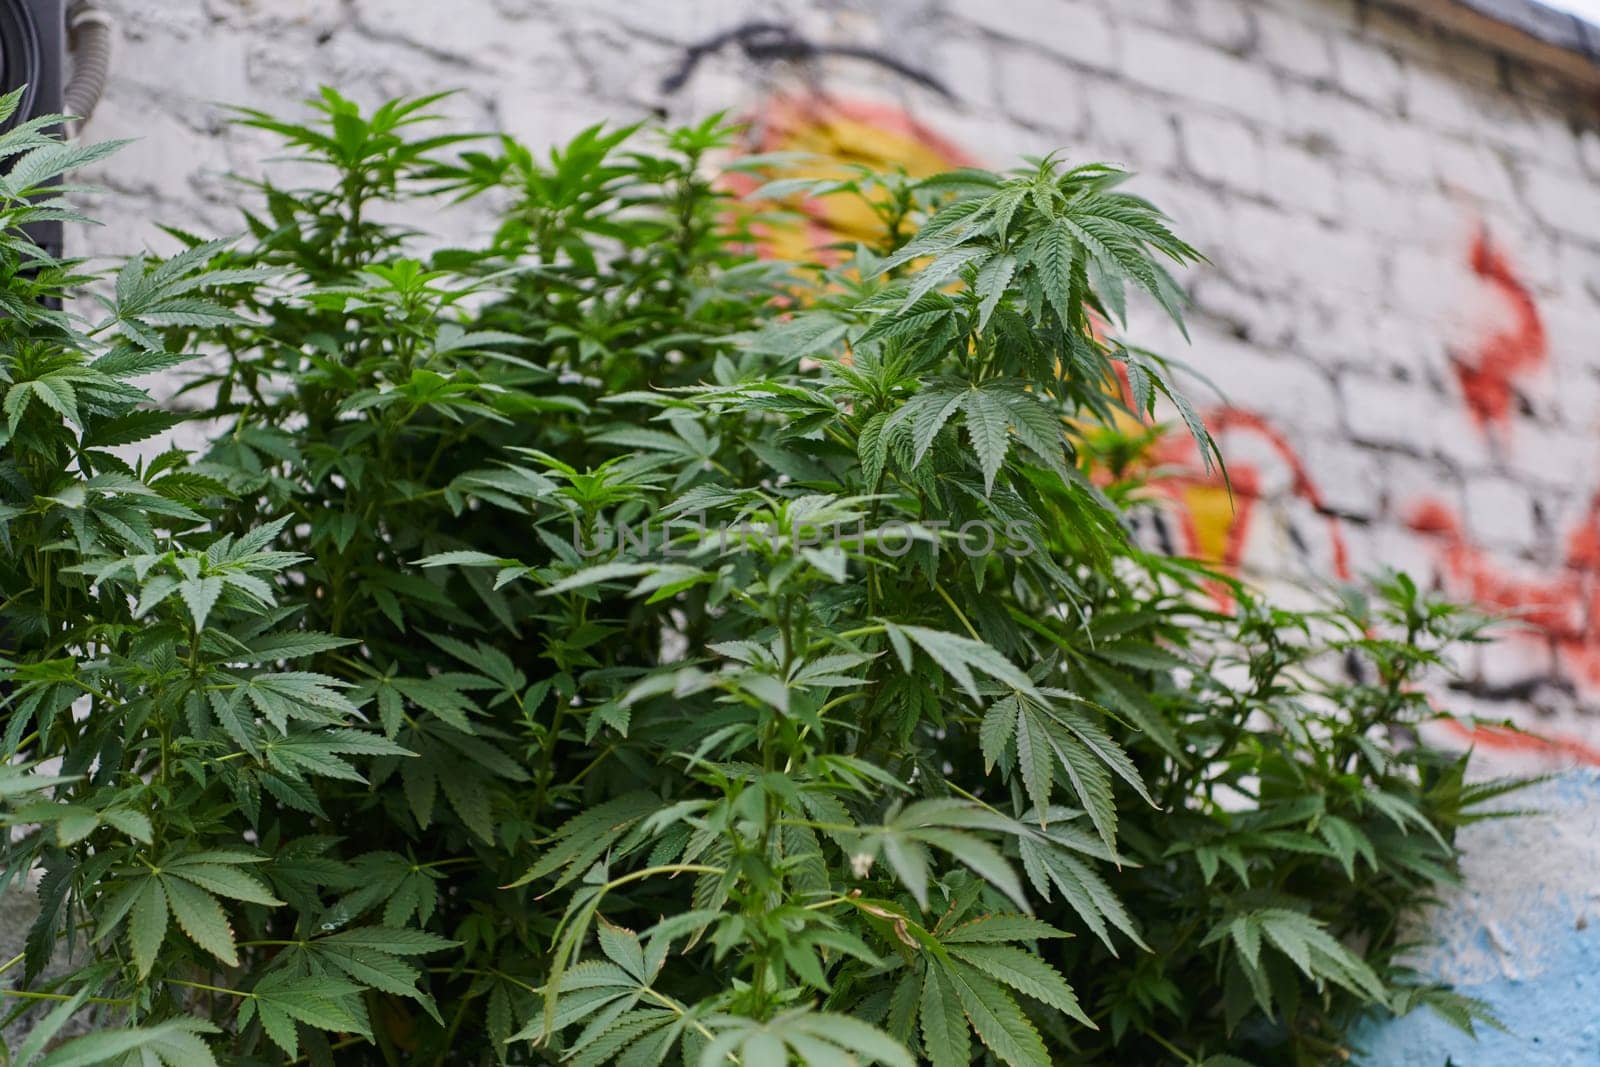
(605, 644)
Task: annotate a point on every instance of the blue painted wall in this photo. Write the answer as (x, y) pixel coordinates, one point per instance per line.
(1522, 934)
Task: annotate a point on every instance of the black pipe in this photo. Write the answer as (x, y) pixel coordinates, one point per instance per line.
(764, 42)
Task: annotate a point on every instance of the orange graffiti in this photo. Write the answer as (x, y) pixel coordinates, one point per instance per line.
(1487, 381)
(834, 136)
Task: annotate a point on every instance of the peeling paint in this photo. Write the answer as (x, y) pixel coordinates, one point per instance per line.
(1523, 934)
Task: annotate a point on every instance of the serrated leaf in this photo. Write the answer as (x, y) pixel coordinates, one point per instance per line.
(987, 422)
(1025, 973)
(200, 594)
(999, 928)
(201, 918)
(395, 941)
(999, 1023)
(992, 283)
(224, 882)
(147, 925)
(961, 656)
(175, 1043)
(944, 1024)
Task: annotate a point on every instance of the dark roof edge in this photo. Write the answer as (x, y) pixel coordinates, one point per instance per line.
(1560, 28)
(1528, 30)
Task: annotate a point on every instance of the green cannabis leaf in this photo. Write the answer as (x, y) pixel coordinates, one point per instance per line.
(598, 643)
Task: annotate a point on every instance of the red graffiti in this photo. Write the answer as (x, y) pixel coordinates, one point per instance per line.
(1564, 608)
(1214, 517)
(1487, 380)
(1513, 741)
(1247, 485)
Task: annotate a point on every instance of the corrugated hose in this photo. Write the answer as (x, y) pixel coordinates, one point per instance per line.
(89, 33)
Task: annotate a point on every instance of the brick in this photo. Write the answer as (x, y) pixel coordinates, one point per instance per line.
(145, 165)
(1551, 456)
(1579, 268)
(1566, 205)
(1570, 329)
(1472, 168)
(556, 120)
(1427, 287)
(516, 9)
(1408, 483)
(1324, 14)
(462, 31)
(989, 136)
(1256, 382)
(1500, 513)
(615, 67)
(1561, 514)
(368, 70)
(1454, 436)
(1383, 412)
(1514, 663)
(1302, 180)
(1199, 216)
(1506, 120)
(1334, 262)
(1438, 100)
(143, 22)
(317, 15)
(1076, 31)
(1196, 72)
(1249, 248)
(1373, 205)
(1293, 46)
(681, 21)
(1228, 24)
(1042, 92)
(1369, 72)
(1346, 478)
(1267, 324)
(208, 58)
(1133, 126)
(1393, 343)
(1325, 122)
(1399, 151)
(1223, 151)
(1589, 152)
(966, 66)
(1548, 142)
(1342, 334)
(1530, 247)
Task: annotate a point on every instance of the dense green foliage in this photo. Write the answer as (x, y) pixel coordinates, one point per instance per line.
(384, 729)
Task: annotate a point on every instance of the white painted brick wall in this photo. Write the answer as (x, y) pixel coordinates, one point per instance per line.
(1077, 31)
(1500, 513)
(1334, 158)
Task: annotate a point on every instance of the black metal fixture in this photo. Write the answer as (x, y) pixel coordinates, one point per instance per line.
(766, 42)
(33, 54)
(36, 37)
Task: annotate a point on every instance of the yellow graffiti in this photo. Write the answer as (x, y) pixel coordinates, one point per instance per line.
(1211, 514)
(837, 136)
